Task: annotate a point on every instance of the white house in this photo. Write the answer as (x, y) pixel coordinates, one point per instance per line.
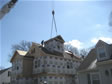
(45, 63)
(97, 66)
(5, 76)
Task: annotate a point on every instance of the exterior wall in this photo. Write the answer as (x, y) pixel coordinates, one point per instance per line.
(53, 69)
(27, 67)
(107, 49)
(17, 68)
(106, 78)
(54, 80)
(4, 78)
(15, 72)
(82, 78)
(55, 45)
(56, 65)
(23, 81)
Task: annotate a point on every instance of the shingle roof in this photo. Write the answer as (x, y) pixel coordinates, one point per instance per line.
(48, 52)
(65, 54)
(20, 52)
(56, 38)
(2, 71)
(89, 62)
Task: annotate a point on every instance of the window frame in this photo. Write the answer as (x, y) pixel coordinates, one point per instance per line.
(98, 53)
(95, 73)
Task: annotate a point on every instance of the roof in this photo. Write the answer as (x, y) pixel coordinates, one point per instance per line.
(20, 52)
(48, 52)
(2, 71)
(71, 55)
(66, 54)
(89, 62)
(56, 38)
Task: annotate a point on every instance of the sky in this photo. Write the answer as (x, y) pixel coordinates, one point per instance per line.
(81, 23)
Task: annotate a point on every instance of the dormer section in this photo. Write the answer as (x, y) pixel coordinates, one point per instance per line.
(55, 44)
(103, 51)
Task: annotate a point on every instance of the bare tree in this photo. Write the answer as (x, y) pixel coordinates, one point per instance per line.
(23, 45)
(84, 53)
(72, 49)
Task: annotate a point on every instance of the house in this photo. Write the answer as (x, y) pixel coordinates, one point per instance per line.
(5, 76)
(46, 63)
(97, 66)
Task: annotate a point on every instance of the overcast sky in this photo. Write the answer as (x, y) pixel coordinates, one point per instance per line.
(81, 23)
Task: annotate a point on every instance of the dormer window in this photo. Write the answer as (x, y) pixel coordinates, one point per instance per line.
(101, 51)
(58, 46)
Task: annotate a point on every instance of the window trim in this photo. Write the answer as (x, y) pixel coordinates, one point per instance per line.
(98, 53)
(91, 80)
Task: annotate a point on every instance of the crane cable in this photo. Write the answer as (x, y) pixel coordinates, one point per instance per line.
(53, 22)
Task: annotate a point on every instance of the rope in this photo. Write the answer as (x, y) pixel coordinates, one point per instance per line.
(55, 25)
(51, 28)
(53, 21)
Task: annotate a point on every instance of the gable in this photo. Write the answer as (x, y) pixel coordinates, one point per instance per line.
(58, 38)
(100, 43)
(16, 56)
(35, 50)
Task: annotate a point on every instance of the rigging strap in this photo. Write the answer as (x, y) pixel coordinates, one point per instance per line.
(53, 21)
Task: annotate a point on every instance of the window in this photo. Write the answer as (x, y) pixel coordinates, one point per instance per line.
(9, 73)
(50, 57)
(17, 68)
(106, 72)
(48, 65)
(58, 46)
(68, 66)
(61, 58)
(55, 77)
(45, 57)
(35, 64)
(101, 52)
(88, 78)
(53, 65)
(38, 63)
(95, 79)
(50, 77)
(58, 66)
(43, 65)
(55, 57)
(111, 71)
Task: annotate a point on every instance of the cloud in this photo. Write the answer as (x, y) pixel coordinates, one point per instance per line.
(98, 25)
(105, 39)
(75, 43)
